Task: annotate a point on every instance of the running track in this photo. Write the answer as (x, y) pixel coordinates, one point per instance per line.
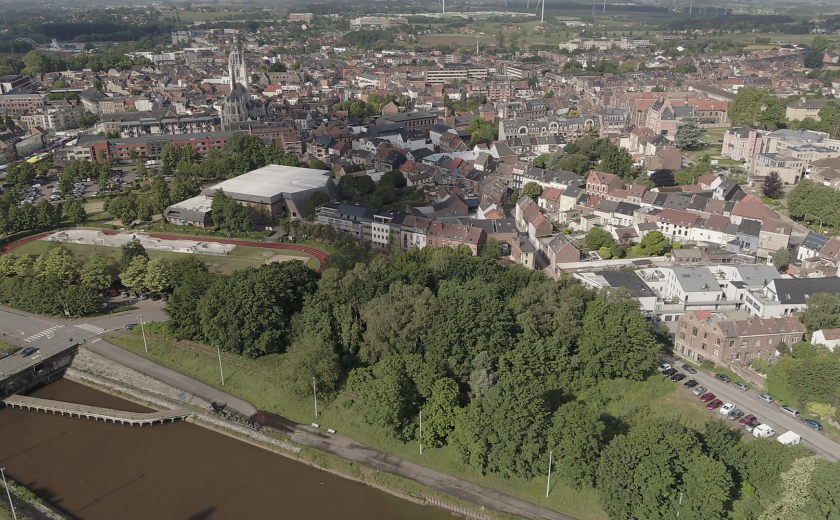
(317, 253)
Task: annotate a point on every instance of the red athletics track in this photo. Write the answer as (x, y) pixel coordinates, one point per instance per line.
(317, 253)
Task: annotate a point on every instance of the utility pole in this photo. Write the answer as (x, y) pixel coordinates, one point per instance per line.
(605, 6)
(315, 395)
(8, 493)
(548, 486)
(444, 6)
(690, 7)
(678, 510)
(222, 372)
(143, 330)
(818, 218)
(421, 432)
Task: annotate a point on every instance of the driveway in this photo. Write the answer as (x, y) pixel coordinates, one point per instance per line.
(770, 414)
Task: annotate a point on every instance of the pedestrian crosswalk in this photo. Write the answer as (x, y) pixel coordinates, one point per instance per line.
(44, 333)
(90, 328)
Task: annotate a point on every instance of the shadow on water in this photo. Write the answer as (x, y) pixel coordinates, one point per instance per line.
(25, 450)
(108, 494)
(203, 515)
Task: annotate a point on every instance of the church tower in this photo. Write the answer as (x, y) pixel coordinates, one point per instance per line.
(236, 67)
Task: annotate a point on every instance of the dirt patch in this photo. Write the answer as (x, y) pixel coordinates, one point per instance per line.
(285, 258)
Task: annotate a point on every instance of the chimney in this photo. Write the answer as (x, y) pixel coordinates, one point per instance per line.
(445, 111)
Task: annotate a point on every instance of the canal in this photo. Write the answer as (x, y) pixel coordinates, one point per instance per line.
(98, 471)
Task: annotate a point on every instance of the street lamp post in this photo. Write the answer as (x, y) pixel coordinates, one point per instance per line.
(315, 395)
(421, 432)
(8, 493)
(143, 330)
(221, 372)
(550, 456)
(818, 218)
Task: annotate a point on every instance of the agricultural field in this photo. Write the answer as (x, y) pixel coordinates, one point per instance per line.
(239, 258)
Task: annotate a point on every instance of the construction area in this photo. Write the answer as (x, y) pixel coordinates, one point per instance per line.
(93, 237)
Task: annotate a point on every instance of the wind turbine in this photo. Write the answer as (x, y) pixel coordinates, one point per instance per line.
(542, 17)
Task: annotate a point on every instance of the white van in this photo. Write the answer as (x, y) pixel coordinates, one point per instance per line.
(763, 431)
(789, 439)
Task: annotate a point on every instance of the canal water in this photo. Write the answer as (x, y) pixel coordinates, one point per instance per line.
(97, 471)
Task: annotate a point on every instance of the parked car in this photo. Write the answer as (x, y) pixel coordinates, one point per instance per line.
(669, 372)
(705, 398)
(734, 414)
(814, 425)
(751, 426)
(790, 411)
(130, 326)
(723, 377)
(155, 297)
(699, 390)
(691, 383)
(124, 294)
(663, 367)
(741, 386)
(714, 404)
(728, 407)
(767, 398)
(143, 296)
(114, 292)
(688, 368)
(28, 351)
(764, 431)
(747, 419)
(677, 377)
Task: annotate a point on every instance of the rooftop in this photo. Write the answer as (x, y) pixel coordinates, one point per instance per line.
(271, 183)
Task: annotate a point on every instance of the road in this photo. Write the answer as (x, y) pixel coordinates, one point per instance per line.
(50, 335)
(770, 414)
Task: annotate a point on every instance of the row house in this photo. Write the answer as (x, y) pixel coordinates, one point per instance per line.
(20, 103)
(704, 335)
(570, 128)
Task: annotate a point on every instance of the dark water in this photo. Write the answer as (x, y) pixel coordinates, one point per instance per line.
(98, 471)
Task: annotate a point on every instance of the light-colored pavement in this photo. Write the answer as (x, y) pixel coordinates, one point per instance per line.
(770, 414)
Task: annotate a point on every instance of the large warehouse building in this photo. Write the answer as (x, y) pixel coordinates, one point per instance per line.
(280, 190)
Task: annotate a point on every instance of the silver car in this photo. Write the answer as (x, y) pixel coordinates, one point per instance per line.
(700, 390)
(767, 398)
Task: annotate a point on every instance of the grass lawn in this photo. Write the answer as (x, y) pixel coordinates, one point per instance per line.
(260, 382)
(239, 258)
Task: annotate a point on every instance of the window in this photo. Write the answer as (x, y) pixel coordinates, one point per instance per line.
(703, 347)
(682, 335)
(717, 341)
(743, 343)
(694, 331)
(717, 353)
(705, 335)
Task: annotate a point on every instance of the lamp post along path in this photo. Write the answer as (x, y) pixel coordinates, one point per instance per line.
(8, 493)
(221, 372)
(315, 395)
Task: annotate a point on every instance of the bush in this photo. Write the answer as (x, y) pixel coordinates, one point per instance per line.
(707, 365)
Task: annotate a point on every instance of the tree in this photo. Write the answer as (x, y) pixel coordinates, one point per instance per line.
(129, 251)
(604, 252)
(662, 178)
(813, 60)
(440, 412)
(481, 377)
(576, 163)
(249, 312)
(616, 161)
(386, 397)
(311, 358)
(46, 214)
(821, 312)
(36, 63)
(135, 276)
(598, 238)
(75, 211)
(183, 306)
(654, 244)
(577, 437)
(396, 322)
(688, 134)
(542, 160)
(781, 259)
(61, 264)
(157, 275)
(532, 190)
(97, 272)
(317, 200)
(773, 186)
(823, 501)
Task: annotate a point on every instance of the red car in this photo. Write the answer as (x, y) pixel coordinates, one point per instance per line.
(114, 292)
(713, 405)
(705, 398)
(747, 419)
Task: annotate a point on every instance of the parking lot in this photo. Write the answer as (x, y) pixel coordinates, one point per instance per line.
(46, 188)
(766, 413)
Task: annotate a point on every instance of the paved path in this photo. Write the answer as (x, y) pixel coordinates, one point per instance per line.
(170, 377)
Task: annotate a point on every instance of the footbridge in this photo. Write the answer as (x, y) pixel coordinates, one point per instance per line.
(94, 412)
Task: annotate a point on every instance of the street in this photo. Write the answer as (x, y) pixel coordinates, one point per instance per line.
(766, 413)
(50, 335)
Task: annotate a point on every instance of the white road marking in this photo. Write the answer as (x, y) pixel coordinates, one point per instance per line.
(21, 332)
(49, 333)
(90, 328)
(97, 339)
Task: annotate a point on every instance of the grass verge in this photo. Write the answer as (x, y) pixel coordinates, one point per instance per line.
(260, 382)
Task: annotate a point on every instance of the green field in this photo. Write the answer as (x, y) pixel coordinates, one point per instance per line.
(239, 258)
(260, 382)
